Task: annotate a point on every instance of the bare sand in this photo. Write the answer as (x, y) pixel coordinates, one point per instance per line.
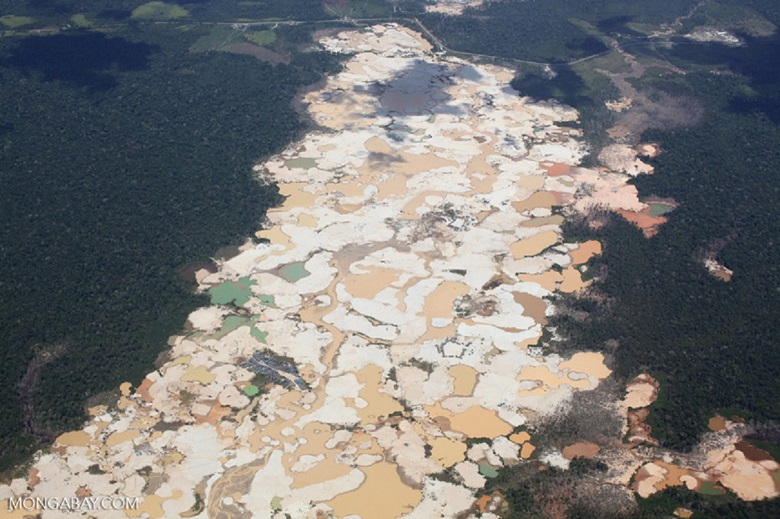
(382, 495)
(581, 449)
(465, 379)
(585, 251)
(475, 422)
(534, 245)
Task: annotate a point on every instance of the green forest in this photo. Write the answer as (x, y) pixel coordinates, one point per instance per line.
(655, 308)
(534, 494)
(125, 157)
(48, 11)
(550, 31)
(713, 344)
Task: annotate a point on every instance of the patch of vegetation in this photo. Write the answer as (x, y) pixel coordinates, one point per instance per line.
(471, 441)
(662, 504)
(423, 365)
(712, 343)
(219, 38)
(80, 20)
(159, 11)
(262, 38)
(359, 8)
(186, 397)
(265, 10)
(576, 86)
(95, 470)
(534, 493)
(199, 504)
(446, 476)
(553, 31)
(12, 21)
(589, 417)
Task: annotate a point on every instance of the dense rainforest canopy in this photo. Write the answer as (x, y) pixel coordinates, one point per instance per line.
(124, 157)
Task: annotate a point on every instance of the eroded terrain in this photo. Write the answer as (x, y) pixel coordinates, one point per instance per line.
(376, 353)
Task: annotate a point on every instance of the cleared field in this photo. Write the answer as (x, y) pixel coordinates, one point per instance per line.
(12, 21)
(159, 11)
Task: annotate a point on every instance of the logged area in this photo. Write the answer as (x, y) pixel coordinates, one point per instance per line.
(391, 258)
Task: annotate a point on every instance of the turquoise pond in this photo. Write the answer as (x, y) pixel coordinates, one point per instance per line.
(658, 209)
(232, 292)
(487, 470)
(294, 271)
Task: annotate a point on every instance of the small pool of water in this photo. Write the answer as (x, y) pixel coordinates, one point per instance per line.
(232, 292)
(487, 470)
(301, 163)
(294, 271)
(659, 209)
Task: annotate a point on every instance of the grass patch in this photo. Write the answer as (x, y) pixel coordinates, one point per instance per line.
(80, 20)
(12, 21)
(644, 28)
(261, 37)
(186, 397)
(159, 11)
(612, 62)
(220, 38)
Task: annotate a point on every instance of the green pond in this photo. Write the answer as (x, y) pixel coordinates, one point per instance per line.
(266, 300)
(294, 271)
(708, 488)
(234, 322)
(251, 390)
(231, 322)
(660, 209)
(232, 292)
(301, 163)
(258, 334)
(487, 470)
